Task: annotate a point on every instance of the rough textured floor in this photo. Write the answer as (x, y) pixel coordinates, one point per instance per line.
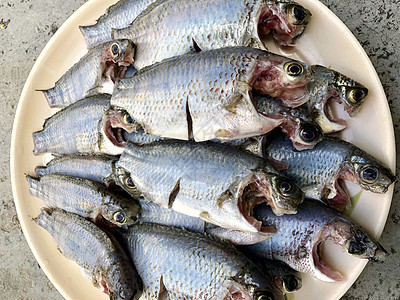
(25, 28)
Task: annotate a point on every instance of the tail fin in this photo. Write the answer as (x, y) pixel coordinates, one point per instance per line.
(33, 185)
(55, 97)
(93, 36)
(40, 142)
(40, 171)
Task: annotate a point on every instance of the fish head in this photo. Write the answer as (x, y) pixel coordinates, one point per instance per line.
(303, 134)
(368, 172)
(120, 52)
(282, 78)
(331, 86)
(120, 211)
(285, 20)
(124, 180)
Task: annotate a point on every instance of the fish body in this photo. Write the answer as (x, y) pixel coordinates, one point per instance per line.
(179, 264)
(119, 15)
(94, 73)
(319, 171)
(85, 198)
(194, 25)
(139, 137)
(299, 238)
(84, 243)
(216, 182)
(208, 94)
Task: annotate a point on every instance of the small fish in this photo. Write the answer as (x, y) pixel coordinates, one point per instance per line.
(208, 94)
(88, 199)
(179, 264)
(299, 239)
(105, 265)
(119, 15)
(215, 182)
(94, 73)
(320, 171)
(169, 28)
(83, 127)
(329, 85)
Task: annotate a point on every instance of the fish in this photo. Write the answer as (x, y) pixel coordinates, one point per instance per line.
(98, 168)
(86, 198)
(169, 28)
(215, 182)
(178, 264)
(299, 125)
(104, 264)
(119, 15)
(94, 73)
(85, 127)
(207, 95)
(320, 171)
(328, 86)
(299, 239)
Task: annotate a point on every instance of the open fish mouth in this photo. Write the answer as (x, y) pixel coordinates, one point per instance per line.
(114, 134)
(326, 118)
(327, 273)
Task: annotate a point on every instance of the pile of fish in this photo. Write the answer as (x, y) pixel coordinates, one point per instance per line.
(191, 163)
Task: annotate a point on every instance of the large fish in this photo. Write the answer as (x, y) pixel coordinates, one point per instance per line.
(102, 260)
(208, 94)
(85, 198)
(170, 28)
(83, 127)
(94, 73)
(320, 171)
(216, 182)
(179, 264)
(299, 239)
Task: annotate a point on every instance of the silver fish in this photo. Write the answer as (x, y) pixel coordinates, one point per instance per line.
(83, 127)
(299, 238)
(215, 182)
(179, 264)
(85, 198)
(170, 28)
(208, 94)
(84, 243)
(94, 73)
(319, 171)
(119, 15)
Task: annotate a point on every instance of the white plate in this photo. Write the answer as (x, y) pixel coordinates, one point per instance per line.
(326, 41)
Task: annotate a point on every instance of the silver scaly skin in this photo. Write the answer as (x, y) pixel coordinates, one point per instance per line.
(94, 73)
(98, 168)
(83, 127)
(179, 264)
(170, 28)
(299, 239)
(83, 197)
(102, 260)
(215, 182)
(208, 94)
(319, 171)
(139, 137)
(119, 15)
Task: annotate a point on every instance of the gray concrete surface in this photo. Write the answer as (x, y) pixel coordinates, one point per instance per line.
(25, 28)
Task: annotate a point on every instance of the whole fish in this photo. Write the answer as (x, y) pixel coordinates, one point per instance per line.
(119, 15)
(105, 265)
(94, 73)
(208, 94)
(319, 171)
(83, 197)
(179, 264)
(170, 28)
(327, 86)
(215, 182)
(83, 127)
(299, 238)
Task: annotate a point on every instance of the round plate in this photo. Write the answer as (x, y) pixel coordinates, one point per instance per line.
(327, 41)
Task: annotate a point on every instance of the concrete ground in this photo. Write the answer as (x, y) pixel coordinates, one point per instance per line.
(25, 28)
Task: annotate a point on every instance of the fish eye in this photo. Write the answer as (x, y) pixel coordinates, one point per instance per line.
(265, 296)
(286, 188)
(369, 174)
(129, 182)
(115, 50)
(356, 95)
(294, 69)
(298, 12)
(309, 132)
(291, 283)
(127, 118)
(119, 217)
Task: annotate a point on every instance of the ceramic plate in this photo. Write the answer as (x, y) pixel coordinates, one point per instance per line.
(326, 41)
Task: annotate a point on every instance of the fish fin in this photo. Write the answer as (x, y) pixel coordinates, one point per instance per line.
(255, 43)
(224, 197)
(279, 165)
(242, 96)
(162, 292)
(33, 185)
(196, 46)
(40, 142)
(54, 97)
(174, 193)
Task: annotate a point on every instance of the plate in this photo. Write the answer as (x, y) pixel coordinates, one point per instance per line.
(327, 41)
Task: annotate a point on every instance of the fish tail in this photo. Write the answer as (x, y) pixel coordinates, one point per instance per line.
(55, 97)
(40, 142)
(91, 36)
(44, 217)
(33, 185)
(40, 171)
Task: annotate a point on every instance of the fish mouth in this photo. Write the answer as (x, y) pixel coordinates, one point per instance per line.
(114, 134)
(325, 117)
(327, 273)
